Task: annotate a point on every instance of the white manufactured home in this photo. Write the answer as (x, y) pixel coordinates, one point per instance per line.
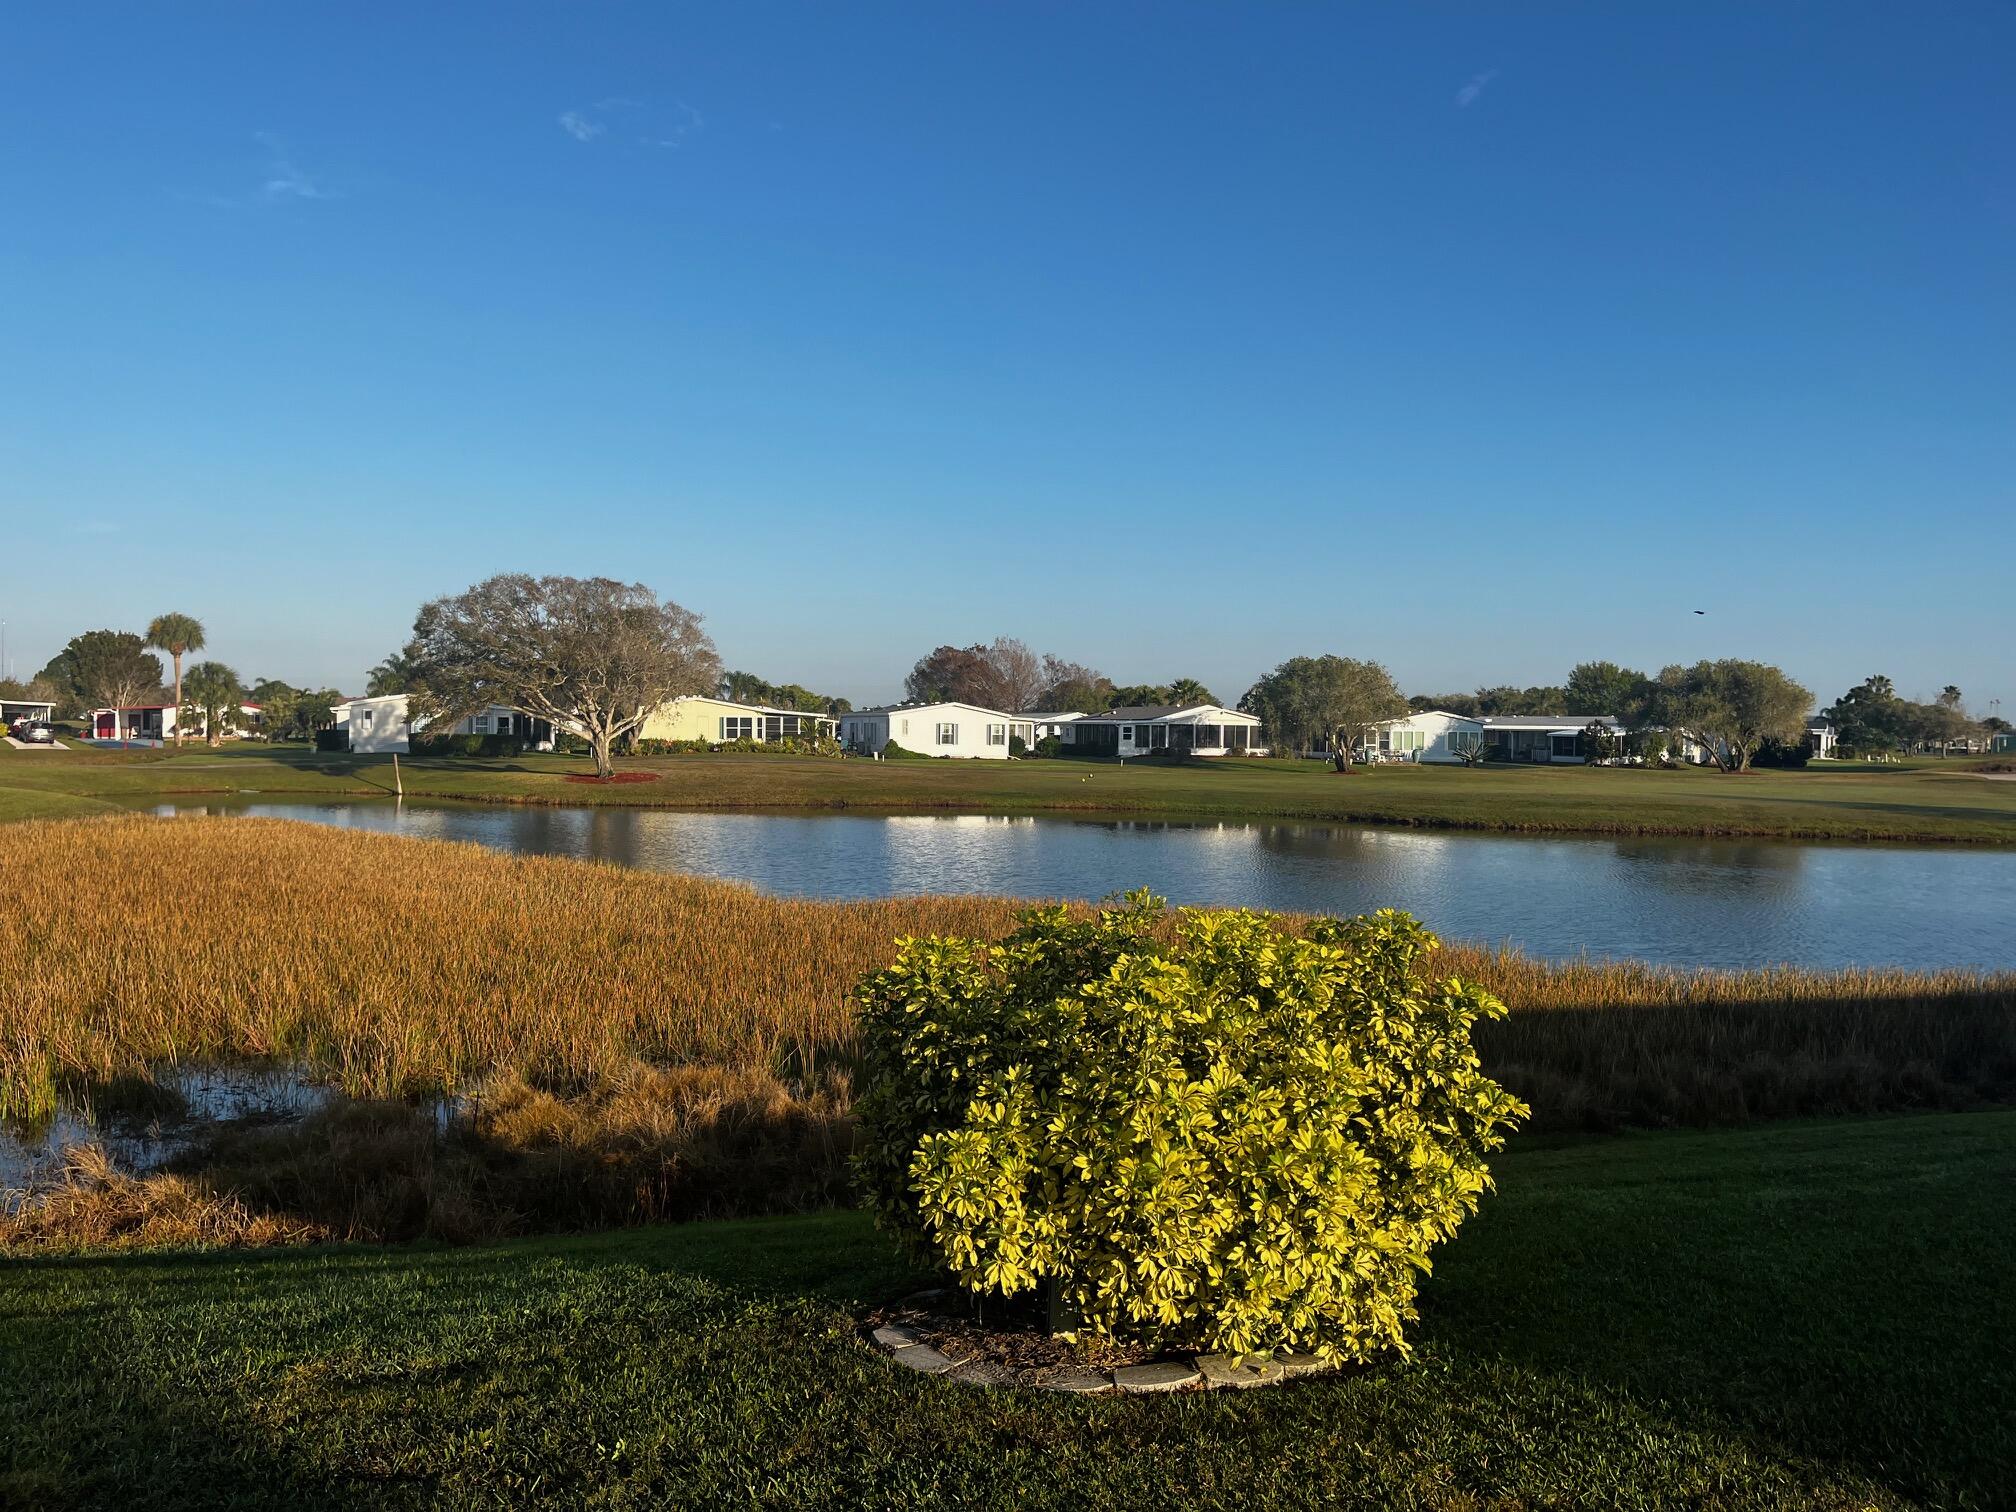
(156, 723)
(940, 729)
(1434, 735)
(1163, 729)
(380, 725)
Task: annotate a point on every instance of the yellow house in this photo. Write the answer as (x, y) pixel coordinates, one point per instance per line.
(721, 719)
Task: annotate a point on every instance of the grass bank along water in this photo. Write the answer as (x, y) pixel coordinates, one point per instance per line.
(1843, 801)
(632, 1045)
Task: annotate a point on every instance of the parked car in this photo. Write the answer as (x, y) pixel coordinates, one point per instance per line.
(34, 733)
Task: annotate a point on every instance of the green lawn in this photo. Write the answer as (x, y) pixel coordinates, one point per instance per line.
(32, 803)
(1808, 1315)
(1846, 801)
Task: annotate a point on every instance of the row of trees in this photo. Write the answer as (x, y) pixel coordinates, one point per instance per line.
(1007, 675)
(1731, 709)
(747, 687)
(1871, 716)
(117, 669)
(595, 657)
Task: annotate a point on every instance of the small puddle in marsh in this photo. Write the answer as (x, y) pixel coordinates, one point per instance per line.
(198, 1099)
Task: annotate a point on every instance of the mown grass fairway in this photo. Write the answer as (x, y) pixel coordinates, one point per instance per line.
(1810, 1315)
(1842, 801)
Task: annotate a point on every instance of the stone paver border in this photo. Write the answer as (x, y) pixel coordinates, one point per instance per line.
(911, 1346)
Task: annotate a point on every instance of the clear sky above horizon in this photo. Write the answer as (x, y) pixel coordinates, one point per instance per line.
(1476, 339)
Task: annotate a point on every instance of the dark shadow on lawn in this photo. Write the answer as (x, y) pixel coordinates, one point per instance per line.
(1775, 1286)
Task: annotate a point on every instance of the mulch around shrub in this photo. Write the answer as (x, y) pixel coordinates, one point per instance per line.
(617, 777)
(945, 1332)
(1012, 1335)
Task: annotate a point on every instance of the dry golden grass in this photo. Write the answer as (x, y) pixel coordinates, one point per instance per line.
(102, 1207)
(397, 966)
(630, 1045)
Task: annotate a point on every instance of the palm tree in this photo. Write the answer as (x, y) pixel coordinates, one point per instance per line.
(391, 675)
(177, 634)
(1187, 690)
(216, 690)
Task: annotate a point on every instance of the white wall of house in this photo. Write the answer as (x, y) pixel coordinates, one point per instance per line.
(1053, 722)
(379, 726)
(1430, 735)
(1208, 730)
(947, 729)
(160, 721)
(1436, 736)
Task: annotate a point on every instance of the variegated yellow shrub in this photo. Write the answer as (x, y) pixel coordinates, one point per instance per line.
(1223, 1136)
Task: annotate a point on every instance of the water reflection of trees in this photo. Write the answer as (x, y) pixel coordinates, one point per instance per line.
(1702, 868)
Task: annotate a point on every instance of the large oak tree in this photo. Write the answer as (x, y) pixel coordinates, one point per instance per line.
(105, 669)
(1730, 708)
(590, 655)
(1333, 696)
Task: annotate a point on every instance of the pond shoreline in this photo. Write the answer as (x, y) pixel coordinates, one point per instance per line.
(1679, 901)
(1877, 806)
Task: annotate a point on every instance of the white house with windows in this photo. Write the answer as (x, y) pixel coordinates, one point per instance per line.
(1156, 729)
(380, 725)
(1434, 735)
(940, 729)
(156, 723)
(1053, 722)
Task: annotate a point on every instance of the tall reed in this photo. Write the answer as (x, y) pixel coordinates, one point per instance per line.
(397, 967)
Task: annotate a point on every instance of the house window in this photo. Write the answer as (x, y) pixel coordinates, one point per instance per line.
(738, 727)
(906, 727)
(1127, 733)
(997, 734)
(1409, 740)
(1465, 740)
(480, 724)
(948, 734)
(1158, 737)
(503, 724)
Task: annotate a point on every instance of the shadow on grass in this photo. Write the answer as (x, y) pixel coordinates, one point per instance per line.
(1628, 1320)
(1707, 1063)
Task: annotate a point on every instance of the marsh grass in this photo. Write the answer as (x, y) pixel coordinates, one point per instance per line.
(625, 1046)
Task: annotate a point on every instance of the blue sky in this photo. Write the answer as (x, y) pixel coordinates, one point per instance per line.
(1478, 339)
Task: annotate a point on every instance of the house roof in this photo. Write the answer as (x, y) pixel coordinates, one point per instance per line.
(1511, 721)
(1545, 721)
(753, 708)
(950, 703)
(1139, 713)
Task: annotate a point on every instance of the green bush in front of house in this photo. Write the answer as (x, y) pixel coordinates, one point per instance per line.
(1217, 1135)
(466, 744)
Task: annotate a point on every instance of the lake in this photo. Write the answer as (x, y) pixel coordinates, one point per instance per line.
(1680, 901)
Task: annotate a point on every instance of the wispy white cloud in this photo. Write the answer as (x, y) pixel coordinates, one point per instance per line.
(652, 125)
(1472, 92)
(281, 181)
(676, 122)
(285, 181)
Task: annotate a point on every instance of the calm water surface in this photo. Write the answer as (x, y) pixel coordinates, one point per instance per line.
(1687, 902)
